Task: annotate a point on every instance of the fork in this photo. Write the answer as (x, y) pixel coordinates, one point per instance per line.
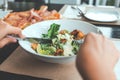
(35, 40)
(78, 9)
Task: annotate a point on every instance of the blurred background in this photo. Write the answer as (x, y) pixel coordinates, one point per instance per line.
(73, 2)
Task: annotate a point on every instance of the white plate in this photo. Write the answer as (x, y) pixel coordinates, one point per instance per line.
(37, 29)
(102, 15)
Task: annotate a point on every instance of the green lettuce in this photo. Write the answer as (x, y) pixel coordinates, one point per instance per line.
(52, 32)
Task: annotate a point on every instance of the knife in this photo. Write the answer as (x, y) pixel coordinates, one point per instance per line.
(35, 40)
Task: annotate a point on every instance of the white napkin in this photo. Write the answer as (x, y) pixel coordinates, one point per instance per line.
(117, 70)
(117, 43)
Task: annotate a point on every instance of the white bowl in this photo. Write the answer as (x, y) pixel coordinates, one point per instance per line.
(37, 29)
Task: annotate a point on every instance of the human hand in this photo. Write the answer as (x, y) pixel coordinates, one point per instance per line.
(6, 29)
(96, 58)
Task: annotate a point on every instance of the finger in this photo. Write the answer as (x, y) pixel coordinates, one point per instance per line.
(90, 35)
(6, 41)
(11, 30)
(89, 38)
(15, 30)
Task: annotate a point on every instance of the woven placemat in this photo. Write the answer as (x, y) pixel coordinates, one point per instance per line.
(20, 62)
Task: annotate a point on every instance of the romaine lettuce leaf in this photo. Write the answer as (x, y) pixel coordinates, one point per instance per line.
(52, 32)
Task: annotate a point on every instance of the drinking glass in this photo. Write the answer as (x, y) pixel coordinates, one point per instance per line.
(5, 5)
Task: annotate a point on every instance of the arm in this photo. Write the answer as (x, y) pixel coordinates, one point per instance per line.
(6, 29)
(96, 58)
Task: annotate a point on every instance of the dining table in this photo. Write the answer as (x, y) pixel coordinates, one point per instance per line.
(16, 64)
